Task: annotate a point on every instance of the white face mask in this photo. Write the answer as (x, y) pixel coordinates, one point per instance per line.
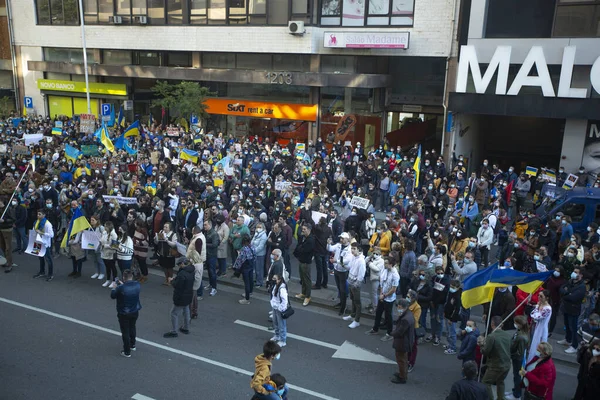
(596, 353)
(468, 329)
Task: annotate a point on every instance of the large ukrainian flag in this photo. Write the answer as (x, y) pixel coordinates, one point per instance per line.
(417, 167)
(187, 154)
(132, 130)
(78, 223)
(479, 287)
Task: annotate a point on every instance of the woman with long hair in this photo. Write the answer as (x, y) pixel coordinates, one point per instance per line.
(539, 375)
(98, 230)
(124, 249)
(167, 247)
(107, 252)
(540, 316)
(140, 247)
(279, 303)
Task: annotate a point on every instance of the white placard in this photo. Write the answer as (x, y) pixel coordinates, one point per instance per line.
(33, 139)
(282, 185)
(570, 182)
(316, 216)
(120, 199)
(89, 240)
(3, 148)
(35, 248)
(359, 202)
(167, 152)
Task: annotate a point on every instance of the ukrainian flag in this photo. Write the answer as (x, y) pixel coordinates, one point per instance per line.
(132, 130)
(417, 168)
(57, 131)
(119, 142)
(121, 118)
(479, 287)
(78, 223)
(105, 140)
(531, 171)
(198, 139)
(71, 153)
(129, 150)
(191, 155)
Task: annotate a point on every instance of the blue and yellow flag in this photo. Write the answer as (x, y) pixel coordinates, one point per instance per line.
(105, 140)
(190, 155)
(57, 131)
(197, 139)
(132, 130)
(129, 150)
(121, 118)
(417, 167)
(78, 223)
(71, 153)
(119, 142)
(479, 287)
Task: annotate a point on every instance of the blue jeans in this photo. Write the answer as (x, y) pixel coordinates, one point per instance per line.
(436, 317)
(21, 237)
(384, 195)
(47, 258)
(222, 265)
(272, 396)
(451, 333)
(211, 263)
(260, 270)
(322, 273)
(516, 364)
(423, 318)
(280, 325)
(248, 275)
(124, 264)
(571, 330)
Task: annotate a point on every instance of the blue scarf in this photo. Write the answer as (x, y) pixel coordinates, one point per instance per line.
(41, 224)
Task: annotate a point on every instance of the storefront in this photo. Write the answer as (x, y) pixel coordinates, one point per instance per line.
(68, 98)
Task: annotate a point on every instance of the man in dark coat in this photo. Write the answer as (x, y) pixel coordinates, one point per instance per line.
(304, 253)
(404, 337)
(468, 388)
(183, 292)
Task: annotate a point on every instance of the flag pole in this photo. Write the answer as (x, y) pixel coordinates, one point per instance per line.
(512, 312)
(487, 327)
(15, 191)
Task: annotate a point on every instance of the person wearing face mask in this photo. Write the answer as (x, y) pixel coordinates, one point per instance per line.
(452, 309)
(262, 372)
(468, 346)
(509, 248)
(573, 293)
(518, 346)
(463, 265)
(539, 375)
(7, 222)
(566, 232)
(470, 212)
(404, 337)
(553, 284)
(569, 260)
(485, 238)
(591, 237)
(375, 264)
(18, 213)
(322, 233)
(503, 304)
(304, 253)
(422, 286)
(440, 284)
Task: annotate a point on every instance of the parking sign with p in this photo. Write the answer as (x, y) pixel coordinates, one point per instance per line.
(28, 102)
(105, 110)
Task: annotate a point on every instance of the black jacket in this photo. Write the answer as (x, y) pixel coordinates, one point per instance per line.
(424, 294)
(305, 249)
(439, 296)
(20, 216)
(183, 286)
(504, 304)
(212, 243)
(352, 224)
(275, 268)
(572, 294)
(467, 389)
(322, 233)
(128, 297)
(452, 306)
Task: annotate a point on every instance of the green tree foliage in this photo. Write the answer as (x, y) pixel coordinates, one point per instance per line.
(183, 99)
(7, 106)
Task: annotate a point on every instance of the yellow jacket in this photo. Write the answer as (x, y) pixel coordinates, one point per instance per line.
(262, 374)
(415, 308)
(384, 243)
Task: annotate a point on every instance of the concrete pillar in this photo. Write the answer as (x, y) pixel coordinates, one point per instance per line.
(573, 144)
(395, 121)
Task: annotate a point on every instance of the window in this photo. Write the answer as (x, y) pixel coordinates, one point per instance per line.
(574, 210)
(198, 13)
(278, 12)
(289, 62)
(57, 12)
(218, 60)
(105, 10)
(116, 57)
(253, 61)
(156, 12)
(147, 58)
(577, 19)
(174, 12)
(367, 12)
(73, 56)
(338, 64)
(179, 59)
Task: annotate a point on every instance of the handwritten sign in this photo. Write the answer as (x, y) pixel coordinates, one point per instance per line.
(87, 123)
(89, 150)
(20, 150)
(359, 202)
(172, 131)
(282, 185)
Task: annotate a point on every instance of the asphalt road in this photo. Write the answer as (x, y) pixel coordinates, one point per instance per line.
(60, 341)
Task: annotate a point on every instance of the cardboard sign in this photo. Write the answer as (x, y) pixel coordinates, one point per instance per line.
(238, 147)
(570, 182)
(531, 171)
(58, 124)
(3, 148)
(282, 185)
(359, 202)
(172, 131)
(120, 199)
(87, 123)
(316, 216)
(20, 150)
(89, 150)
(218, 182)
(89, 240)
(35, 247)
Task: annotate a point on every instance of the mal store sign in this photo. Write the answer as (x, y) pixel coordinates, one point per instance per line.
(500, 63)
(366, 40)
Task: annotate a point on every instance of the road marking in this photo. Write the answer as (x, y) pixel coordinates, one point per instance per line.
(346, 350)
(138, 396)
(160, 346)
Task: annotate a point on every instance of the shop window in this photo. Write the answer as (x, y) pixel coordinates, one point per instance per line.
(367, 12)
(253, 61)
(57, 12)
(73, 56)
(338, 64)
(577, 20)
(116, 57)
(179, 59)
(218, 60)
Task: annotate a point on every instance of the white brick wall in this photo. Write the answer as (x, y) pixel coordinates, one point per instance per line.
(429, 36)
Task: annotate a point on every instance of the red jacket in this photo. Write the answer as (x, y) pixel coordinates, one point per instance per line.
(541, 378)
(521, 296)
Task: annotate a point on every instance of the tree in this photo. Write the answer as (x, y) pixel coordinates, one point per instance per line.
(183, 99)
(7, 106)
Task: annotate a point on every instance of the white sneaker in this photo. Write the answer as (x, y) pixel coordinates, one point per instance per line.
(113, 285)
(105, 284)
(563, 342)
(281, 344)
(274, 339)
(100, 277)
(353, 325)
(510, 397)
(94, 276)
(213, 292)
(571, 350)
(271, 312)
(347, 318)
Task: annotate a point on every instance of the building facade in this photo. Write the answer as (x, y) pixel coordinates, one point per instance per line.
(372, 60)
(527, 86)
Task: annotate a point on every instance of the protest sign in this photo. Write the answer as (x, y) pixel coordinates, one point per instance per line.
(87, 123)
(3, 148)
(172, 131)
(120, 199)
(531, 171)
(359, 202)
(238, 147)
(58, 124)
(20, 150)
(35, 247)
(570, 182)
(218, 182)
(548, 175)
(282, 185)
(89, 150)
(316, 216)
(33, 139)
(89, 240)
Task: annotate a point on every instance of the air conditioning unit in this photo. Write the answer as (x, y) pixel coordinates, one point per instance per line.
(296, 28)
(115, 19)
(142, 20)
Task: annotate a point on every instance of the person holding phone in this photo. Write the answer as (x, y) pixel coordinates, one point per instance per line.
(127, 294)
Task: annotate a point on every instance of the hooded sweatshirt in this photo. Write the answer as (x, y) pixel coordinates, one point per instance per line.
(262, 374)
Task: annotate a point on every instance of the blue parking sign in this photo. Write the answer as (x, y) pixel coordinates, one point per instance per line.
(106, 109)
(28, 102)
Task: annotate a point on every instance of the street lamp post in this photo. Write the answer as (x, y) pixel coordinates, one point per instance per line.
(85, 63)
